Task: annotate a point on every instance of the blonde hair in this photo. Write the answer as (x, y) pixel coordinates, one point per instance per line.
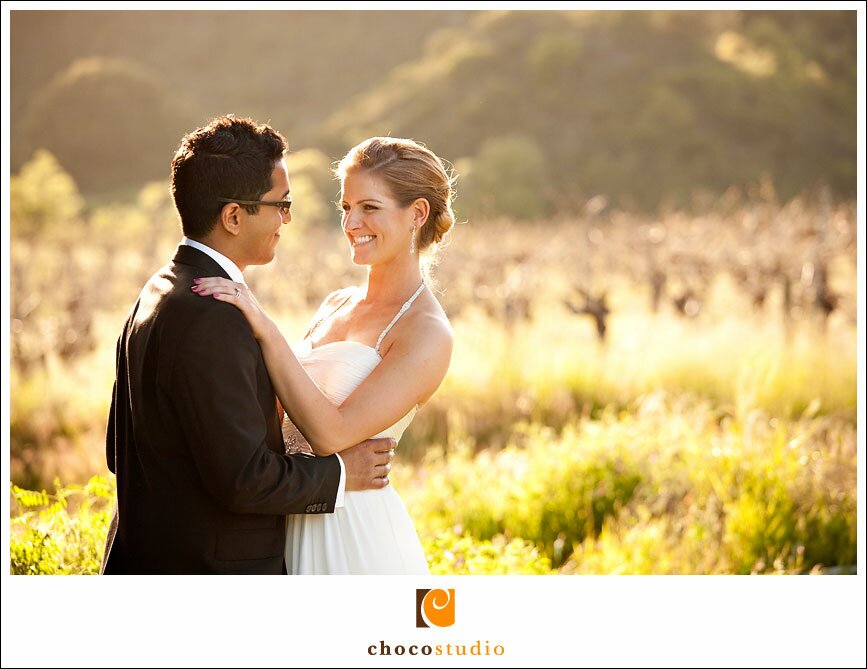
(410, 171)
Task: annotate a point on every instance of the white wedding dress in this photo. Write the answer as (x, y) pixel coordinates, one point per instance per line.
(372, 533)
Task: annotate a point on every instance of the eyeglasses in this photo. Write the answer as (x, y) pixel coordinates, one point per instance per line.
(282, 205)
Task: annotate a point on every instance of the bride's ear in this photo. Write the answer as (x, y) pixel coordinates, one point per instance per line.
(420, 212)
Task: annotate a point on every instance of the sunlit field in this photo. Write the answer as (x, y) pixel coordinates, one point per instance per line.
(631, 395)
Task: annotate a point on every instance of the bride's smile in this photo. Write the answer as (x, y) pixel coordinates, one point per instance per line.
(363, 239)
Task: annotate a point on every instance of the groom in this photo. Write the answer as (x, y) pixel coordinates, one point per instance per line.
(203, 484)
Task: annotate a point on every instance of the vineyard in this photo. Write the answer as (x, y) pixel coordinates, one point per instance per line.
(628, 393)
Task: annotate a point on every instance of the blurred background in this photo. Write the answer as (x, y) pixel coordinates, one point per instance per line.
(653, 287)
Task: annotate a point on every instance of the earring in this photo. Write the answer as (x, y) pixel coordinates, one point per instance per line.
(412, 242)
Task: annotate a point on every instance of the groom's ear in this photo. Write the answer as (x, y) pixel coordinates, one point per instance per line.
(229, 218)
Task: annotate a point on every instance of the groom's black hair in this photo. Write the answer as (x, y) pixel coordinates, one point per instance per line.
(228, 158)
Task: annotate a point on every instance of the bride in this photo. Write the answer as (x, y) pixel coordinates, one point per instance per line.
(373, 355)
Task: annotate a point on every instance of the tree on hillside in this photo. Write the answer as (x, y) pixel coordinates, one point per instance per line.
(111, 123)
(507, 178)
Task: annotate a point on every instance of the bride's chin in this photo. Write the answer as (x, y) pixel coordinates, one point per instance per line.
(357, 258)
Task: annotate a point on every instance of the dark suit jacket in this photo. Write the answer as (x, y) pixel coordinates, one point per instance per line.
(203, 484)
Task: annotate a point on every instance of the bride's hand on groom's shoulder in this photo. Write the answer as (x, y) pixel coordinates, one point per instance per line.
(238, 295)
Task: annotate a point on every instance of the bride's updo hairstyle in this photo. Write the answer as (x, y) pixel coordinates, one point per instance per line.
(410, 171)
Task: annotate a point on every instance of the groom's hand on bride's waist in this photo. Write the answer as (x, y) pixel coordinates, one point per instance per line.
(368, 464)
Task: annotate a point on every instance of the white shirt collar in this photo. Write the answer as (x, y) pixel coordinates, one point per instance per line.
(230, 267)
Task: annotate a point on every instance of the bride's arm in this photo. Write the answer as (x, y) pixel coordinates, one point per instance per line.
(411, 371)
(406, 375)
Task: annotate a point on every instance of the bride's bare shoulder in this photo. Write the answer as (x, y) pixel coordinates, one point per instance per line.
(333, 299)
(329, 304)
(430, 321)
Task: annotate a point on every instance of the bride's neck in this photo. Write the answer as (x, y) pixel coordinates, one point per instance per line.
(392, 284)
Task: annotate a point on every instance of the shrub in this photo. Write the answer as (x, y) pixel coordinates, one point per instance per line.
(63, 533)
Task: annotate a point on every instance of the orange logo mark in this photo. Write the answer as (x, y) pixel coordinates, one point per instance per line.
(434, 607)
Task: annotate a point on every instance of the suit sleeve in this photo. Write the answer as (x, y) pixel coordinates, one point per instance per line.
(111, 430)
(214, 392)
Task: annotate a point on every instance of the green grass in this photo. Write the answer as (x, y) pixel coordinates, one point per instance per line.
(667, 486)
(61, 533)
(670, 485)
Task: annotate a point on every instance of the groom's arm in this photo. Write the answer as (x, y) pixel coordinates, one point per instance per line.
(214, 389)
(114, 429)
